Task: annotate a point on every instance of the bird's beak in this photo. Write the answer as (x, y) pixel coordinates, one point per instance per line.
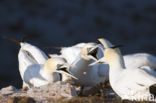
(100, 61)
(93, 53)
(65, 69)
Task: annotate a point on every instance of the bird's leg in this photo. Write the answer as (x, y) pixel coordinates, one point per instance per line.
(102, 85)
(106, 84)
(81, 91)
(25, 87)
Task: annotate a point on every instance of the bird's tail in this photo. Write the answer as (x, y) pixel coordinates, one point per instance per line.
(24, 38)
(11, 39)
(14, 40)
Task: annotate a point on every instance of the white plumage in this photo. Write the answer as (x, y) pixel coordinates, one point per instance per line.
(35, 67)
(34, 51)
(136, 59)
(30, 57)
(128, 83)
(78, 56)
(71, 53)
(140, 59)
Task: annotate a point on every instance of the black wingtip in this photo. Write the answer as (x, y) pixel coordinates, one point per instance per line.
(152, 89)
(116, 46)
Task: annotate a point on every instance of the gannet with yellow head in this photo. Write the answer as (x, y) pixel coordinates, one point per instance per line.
(36, 75)
(87, 75)
(35, 68)
(128, 83)
(134, 60)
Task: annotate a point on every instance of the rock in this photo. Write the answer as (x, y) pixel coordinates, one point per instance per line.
(20, 100)
(44, 94)
(100, 90)
(2, 99)
(54, 91)
(8, 90)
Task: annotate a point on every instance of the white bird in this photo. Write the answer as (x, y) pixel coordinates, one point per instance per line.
(36, 75)
(86, 54)
(136, 59)
(128, 83)
(35, 67)
(29, 55)
(71, 53)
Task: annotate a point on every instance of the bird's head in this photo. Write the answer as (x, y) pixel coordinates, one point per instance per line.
(89, 51)
(110, 54)
(104, 42)
(109, 51)
(59, 65)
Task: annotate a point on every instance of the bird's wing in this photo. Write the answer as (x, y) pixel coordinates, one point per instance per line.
(35, 53)
(133, 81)
(24, 62)
(140, 59)
(149, 70)
(29, 70)
(138, 78)
(32, 75)
(71, 53)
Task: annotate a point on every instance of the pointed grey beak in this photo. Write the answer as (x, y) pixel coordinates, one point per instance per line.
(100, 61)
(64, 69)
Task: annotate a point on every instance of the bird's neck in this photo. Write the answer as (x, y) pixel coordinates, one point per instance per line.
(81, 63)
(116, 66)
(49, 75)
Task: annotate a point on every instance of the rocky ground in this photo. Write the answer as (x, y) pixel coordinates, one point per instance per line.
(51, 92)
(60, 92)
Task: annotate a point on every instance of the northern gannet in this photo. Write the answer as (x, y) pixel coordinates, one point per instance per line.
(136, 59)
(71, 53)
(87, 75)
(35, 68)
(128, 83)
(29, 55)
(36, 75)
